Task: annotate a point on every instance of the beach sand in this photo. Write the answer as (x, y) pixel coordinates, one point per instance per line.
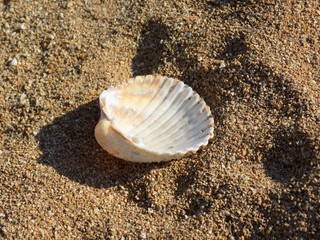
(255, 63)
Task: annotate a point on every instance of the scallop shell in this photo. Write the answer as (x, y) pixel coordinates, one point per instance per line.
(153, 119)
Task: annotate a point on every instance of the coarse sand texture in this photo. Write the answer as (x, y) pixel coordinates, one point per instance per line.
(256, 64)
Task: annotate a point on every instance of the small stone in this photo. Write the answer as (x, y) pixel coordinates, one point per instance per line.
(226, 213)
(23, 99)
(69, 4)
(222, 64)
(143, 235)
(37, 102)
(22, 26)
(205, 68)
(244, 152)
(302, 223)
(51, 36)
(13, 62)
(253, 190)
(259, 157)
(110, 197)
(96, 210)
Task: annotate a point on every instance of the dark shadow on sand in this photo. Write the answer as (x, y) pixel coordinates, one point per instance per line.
(291, 157)
(68, 145)
(151, 48)
(218, 3)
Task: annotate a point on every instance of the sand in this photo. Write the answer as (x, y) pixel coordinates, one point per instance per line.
(256, 64)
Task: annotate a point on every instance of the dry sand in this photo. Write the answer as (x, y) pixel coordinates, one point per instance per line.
(256, 64)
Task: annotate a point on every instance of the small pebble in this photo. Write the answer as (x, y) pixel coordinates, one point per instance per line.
(22, 26)
(96, 210)
(51, 36)
(143, 235)
(222, 64)
(69, 4)
(205, 68)
(110, 197)
(23, 99)
(13, 62)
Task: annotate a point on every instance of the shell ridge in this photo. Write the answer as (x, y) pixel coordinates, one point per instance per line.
(144, 84)
(157, 101)
(170, 126)
(148, 104)
(186, 130)
(145, 80)
(168, 114)
(103, 106)
(187, 123)
(199, 133)
(198, 127)
(176, 109)
(179, 135)
(131, 81)
(162, 108)
(181, 119)
(196, 141)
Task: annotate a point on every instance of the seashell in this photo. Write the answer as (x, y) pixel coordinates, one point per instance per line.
(153, 119)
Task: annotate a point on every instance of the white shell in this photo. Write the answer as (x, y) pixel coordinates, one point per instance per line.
(153, 119)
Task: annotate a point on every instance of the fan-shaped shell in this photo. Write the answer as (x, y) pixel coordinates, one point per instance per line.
(153, 119)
